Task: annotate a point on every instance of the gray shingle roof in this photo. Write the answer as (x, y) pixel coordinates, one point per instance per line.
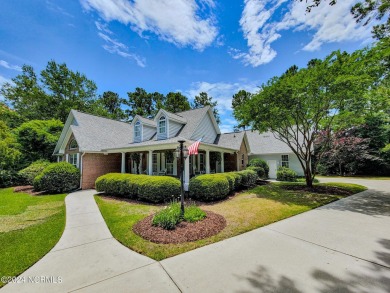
(231, 140)
(265, 143)
(193, 118)
(147, 121)
(94, 133)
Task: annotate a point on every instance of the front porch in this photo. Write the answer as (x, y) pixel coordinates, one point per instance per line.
(163, 162)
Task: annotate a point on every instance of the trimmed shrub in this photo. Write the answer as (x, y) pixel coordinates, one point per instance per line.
(286, 174)
(28, 174)
(260, 163)
(249, 177)
(259, 170)
(8, 178)
(118, 184)
(158, 189)
(209, 187)
(193, 214)
(237, 179)
(58, 178)
(231, 179)
(167, 218)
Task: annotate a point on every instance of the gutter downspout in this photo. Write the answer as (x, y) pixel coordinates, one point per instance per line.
(81, 169)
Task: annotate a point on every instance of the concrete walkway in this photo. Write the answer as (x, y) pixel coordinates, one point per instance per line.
(89, 259)
(340, 247)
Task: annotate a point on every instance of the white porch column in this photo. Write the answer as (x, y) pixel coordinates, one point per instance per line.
(150, 163)
(222, 163)
(123, 163)
(186, 173)
(207, 162)
(175, 165)
(140, 164)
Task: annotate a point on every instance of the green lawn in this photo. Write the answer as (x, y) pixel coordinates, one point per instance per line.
(244, 212)
(29, 227)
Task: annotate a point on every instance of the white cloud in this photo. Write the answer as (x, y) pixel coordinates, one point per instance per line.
(175, 21)
(326, 23)
(5, 64)
(222, 92)
(115, 47)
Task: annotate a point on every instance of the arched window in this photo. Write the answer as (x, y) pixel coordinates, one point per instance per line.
(137, 129)
(73, 145)
(162, 125)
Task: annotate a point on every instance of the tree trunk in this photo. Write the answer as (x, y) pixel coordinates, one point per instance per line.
(308, 175)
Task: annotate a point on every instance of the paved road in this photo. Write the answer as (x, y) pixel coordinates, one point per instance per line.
(340, 247)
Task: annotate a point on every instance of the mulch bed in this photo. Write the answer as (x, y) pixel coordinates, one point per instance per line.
(318, 189)
(184, 232)
(28, 189)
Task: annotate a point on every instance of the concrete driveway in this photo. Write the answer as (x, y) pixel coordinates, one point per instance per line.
(340, 247)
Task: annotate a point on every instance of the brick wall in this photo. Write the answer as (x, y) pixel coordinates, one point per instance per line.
(95, 165)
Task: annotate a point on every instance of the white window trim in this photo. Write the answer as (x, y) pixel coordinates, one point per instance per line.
(161, 119)
(138, 124)
(77, 145)
(285, 163)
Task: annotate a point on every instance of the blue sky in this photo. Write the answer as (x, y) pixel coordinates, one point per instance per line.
(190, 46)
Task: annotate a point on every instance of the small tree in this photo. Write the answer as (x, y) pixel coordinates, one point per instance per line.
(203, 100)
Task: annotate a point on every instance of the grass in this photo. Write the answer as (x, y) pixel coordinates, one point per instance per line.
(356, 177)
(244, 212)
(29, 227)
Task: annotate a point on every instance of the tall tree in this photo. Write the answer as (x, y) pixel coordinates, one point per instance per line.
(9, 116)
(37, 139)
(26, 96)
(53, 95)
(240, 98)
(9, 153)
(299, 104)
(176, 102)
(203, 100)
(111, 105)
(143, 103)
(364, 12)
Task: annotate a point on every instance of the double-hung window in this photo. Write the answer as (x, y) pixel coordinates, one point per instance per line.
(285, 161)
(162, 125)
(72, 159)
(169, 164)
(137, 130)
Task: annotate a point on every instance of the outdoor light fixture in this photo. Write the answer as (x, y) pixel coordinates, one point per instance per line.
(182, 153)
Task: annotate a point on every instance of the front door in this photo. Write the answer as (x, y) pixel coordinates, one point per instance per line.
(273, 168)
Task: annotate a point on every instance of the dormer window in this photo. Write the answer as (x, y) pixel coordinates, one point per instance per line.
(162, 125)
(137, 129)
(73, 145)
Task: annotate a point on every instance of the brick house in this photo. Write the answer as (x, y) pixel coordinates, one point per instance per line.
(98, 145)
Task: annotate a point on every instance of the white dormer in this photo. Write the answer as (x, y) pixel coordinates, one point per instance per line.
(168, 124)
(143, 129)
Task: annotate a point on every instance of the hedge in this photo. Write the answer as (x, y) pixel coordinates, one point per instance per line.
(209, 187)
(9, 178)
(149, 188)
(28, 174)
(249, 178)
(259, 170)
(260, 163)
(58, 178)
(286, 174)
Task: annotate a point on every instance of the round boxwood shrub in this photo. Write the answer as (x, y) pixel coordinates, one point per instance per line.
(286, 174)
(231, 179)
(249, 177)
(58, 178)
(260, 163)
(28, 174)
(209, 187)
(158, 189)
(259, 170)
(118, 184)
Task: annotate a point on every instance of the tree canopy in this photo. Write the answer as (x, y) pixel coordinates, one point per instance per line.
(176, 102)
(202, 100)
(364, 12)
(326, 94)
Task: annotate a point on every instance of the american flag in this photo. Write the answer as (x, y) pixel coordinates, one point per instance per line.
(193, 149)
